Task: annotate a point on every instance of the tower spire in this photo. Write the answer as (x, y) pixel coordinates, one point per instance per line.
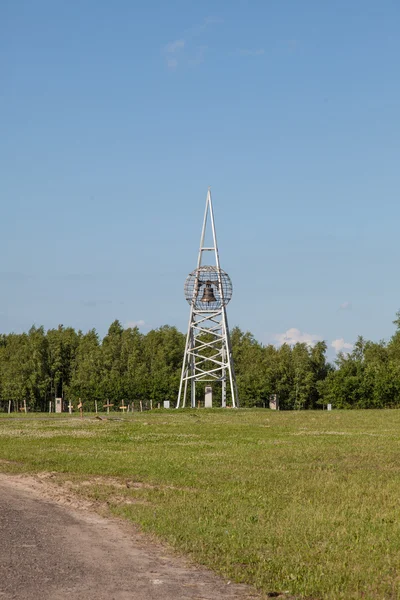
(208, 353)
(208, 214)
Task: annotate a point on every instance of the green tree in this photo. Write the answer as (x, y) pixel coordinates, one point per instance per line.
(163, 354)
(86, 370)
(254, 385)
(62, 347)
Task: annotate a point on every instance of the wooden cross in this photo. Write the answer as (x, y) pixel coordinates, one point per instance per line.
(107, 406)
(80, 406)
(123, 407)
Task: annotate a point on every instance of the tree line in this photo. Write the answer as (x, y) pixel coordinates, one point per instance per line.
(127, 366)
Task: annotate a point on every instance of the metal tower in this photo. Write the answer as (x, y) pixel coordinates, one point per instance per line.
(208, 353)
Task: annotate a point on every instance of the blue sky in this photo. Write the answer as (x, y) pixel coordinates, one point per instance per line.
(116, 117)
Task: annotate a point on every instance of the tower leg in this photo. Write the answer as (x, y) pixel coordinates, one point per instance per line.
(185, 392)
(193, 370)
(223, 399)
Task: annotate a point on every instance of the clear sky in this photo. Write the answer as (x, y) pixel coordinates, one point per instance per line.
(115, 117)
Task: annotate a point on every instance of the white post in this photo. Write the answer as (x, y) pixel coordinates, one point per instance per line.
(208, 397)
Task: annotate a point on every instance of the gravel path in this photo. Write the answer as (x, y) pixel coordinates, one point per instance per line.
(51, 551)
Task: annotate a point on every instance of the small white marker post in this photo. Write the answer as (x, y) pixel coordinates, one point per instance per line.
(70, 407)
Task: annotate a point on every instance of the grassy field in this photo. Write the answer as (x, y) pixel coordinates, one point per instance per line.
(306, 503)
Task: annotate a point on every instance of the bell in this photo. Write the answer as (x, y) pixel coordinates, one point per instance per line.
(208, 295)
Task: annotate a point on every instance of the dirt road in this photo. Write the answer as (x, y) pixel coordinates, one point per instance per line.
(50, 551)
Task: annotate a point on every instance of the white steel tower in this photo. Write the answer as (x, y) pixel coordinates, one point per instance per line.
(208, 353)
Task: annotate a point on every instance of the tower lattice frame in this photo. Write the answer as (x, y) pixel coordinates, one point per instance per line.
(208, 352)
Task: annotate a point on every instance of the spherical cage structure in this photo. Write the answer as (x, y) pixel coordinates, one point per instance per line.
(208, 288)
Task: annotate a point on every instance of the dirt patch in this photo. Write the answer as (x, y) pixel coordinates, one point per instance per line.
(46, 485)
(91, 557)
(54, 487)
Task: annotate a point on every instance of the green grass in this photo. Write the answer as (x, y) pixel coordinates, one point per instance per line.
(305, 502)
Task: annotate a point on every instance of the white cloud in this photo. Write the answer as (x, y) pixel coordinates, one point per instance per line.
(346, 306)
(251, 52)
(172, 63)
(185, 49)
(293, 336)
(341, 346)
(207, 23)
(171, 51)
(132, 324)
(174, 46)
(198, 57)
